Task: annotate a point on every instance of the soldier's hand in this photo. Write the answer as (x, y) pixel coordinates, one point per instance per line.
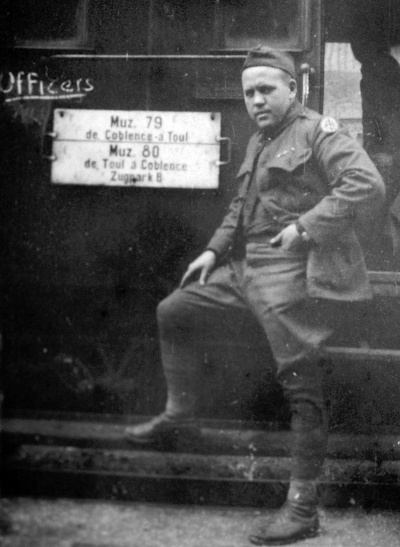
(204, 263)
(288, 238)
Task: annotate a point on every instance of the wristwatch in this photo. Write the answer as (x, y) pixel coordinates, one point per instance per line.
(302, 231)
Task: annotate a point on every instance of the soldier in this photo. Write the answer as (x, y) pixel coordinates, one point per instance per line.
(285, 254)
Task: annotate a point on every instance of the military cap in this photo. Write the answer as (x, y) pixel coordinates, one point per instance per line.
(266, 56)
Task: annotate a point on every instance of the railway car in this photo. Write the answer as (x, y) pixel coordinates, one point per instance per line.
(123, 127)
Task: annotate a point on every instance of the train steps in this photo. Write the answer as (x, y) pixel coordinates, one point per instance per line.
(231, 463)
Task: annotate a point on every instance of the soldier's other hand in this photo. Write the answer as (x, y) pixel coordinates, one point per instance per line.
(288, 238)
(204, 263)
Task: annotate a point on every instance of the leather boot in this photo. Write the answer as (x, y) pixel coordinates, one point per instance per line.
(296, 520)
(162, 428)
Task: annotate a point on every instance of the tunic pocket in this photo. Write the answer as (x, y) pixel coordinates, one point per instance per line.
(290, 159)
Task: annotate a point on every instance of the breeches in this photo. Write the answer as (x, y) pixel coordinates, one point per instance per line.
(269, 286)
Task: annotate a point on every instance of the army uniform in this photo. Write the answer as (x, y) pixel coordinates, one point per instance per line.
(308, 172)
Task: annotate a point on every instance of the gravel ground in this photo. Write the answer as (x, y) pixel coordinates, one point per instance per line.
(72, 523)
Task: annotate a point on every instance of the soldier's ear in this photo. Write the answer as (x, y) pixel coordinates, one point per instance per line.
(293, 86)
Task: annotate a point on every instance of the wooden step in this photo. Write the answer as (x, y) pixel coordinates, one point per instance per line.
(217, 438)
(385, 284)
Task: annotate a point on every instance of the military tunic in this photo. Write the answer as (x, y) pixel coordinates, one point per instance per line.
(315, 173)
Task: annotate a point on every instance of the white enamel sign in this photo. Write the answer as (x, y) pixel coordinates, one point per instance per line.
(136, 148)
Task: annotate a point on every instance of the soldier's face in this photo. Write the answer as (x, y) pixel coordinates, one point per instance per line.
(268, 93)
